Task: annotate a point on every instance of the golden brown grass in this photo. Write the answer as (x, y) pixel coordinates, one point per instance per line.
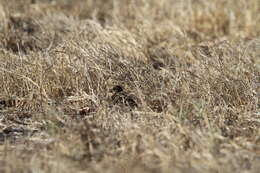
(192, 67)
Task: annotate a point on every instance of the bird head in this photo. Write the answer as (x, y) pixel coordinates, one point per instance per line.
(117, 89)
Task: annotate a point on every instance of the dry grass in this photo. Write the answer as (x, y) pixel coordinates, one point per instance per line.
(191, 66)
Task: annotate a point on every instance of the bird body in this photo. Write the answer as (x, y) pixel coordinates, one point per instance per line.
(120, 97)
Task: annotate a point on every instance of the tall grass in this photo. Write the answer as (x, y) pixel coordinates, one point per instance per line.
(191, 66)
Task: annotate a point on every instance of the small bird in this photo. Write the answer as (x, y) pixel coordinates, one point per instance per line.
(120, 97)
(157, 65)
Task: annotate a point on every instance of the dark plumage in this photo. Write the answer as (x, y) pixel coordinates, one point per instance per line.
(117, 89)
(120, 97)
(157, 65)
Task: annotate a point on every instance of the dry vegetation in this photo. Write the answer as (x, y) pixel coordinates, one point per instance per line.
(187, 77)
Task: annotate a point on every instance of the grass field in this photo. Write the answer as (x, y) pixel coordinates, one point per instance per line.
(138, 86)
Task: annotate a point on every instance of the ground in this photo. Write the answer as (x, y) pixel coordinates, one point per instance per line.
(129, 86)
